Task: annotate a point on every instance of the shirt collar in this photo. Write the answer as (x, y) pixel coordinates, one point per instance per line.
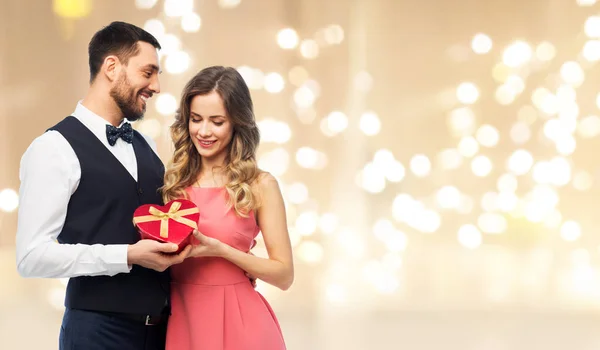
(93, 121)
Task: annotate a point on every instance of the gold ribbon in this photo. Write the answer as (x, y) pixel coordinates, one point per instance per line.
(173, 213)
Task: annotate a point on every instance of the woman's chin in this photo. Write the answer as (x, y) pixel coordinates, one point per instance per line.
(204, 153)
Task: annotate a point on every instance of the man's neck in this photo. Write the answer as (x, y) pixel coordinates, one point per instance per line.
(103, 106)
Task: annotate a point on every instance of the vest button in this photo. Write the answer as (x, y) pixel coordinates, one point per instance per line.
(140, 190)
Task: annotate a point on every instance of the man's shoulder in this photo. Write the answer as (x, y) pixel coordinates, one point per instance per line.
(49, 141)
(49, 146)
(52, 136)
(65, 122)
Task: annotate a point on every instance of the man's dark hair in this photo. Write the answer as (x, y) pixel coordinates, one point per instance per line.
(119, 39)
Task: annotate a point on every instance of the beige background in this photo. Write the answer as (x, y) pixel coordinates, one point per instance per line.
(525, 288)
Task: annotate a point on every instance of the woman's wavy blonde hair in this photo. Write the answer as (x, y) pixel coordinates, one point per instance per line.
(241, 169)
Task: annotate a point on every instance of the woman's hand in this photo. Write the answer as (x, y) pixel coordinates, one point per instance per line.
(205, 246)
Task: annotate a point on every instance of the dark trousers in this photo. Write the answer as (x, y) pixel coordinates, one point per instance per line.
(87, 330)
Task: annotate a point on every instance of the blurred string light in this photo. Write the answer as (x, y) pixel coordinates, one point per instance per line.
(334, 123)
(517, 54)
(469, 236)
(177, 62)
(410, 211)
(382, 169)
(56, 297)
(468, 146)
(328, 223)
(330, 35)
(420, 165)
(370, 124)
(448, 197)
(592, 27)
(310, 252)
(155, 27)
(481, 166)
(382, 274)
(304, 97)
(467, 93)
(298, 75)
(150, 127)
(191, 22)
(178, 8)
(9, 200)
(68, 11)
(310, 158)
(545, 51)
(449, 159)
(309, 49)
(145, 4)
(305, 92)
(276, 160)
(583, 181)
(555, 108)
(363, 81)
(274, 83)
(274, 131)
(297, 193)
(520, 132)
(487, 136)
(166, 104)
(570, 231)
(253, 77)
(394, 240)
(72, 9)
(481, 44)
(287, 38)
(170, 43)
(229, 4)
(462, 121)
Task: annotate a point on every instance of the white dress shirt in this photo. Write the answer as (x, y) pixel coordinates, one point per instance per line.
(49, 174)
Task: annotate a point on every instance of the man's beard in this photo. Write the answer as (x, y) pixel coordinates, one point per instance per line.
(126, 98)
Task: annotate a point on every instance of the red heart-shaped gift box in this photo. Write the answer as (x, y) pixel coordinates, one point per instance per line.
(173, 222)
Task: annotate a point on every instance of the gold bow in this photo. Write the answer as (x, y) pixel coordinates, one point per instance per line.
(173, 213)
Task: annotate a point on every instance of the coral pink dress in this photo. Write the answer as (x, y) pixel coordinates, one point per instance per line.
(214, 306)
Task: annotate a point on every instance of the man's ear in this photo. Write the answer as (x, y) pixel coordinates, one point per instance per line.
(111, 67)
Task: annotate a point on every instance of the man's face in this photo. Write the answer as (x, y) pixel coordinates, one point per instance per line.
(137, 82)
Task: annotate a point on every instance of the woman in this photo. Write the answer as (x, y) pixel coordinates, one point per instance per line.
(214, 305)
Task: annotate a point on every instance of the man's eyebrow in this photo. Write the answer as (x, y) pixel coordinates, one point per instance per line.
(153, 67)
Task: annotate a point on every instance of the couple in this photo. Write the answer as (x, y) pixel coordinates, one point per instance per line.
(82, 180)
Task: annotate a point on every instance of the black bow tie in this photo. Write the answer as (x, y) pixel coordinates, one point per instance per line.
(125, 132)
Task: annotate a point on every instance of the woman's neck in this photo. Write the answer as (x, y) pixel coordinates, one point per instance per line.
(212, 175)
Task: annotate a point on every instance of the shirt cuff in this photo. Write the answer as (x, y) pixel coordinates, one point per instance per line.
(116, 255)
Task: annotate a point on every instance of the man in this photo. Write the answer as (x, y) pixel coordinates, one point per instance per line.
(80, 184)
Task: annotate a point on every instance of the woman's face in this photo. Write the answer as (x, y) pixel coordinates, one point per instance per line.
(210, 128)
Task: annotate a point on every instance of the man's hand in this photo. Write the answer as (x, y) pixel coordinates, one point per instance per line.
(155, 255)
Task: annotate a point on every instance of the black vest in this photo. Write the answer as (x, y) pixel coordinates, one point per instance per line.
(101, 212)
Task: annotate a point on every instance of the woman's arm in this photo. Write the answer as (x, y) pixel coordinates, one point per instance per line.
(278, 269)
